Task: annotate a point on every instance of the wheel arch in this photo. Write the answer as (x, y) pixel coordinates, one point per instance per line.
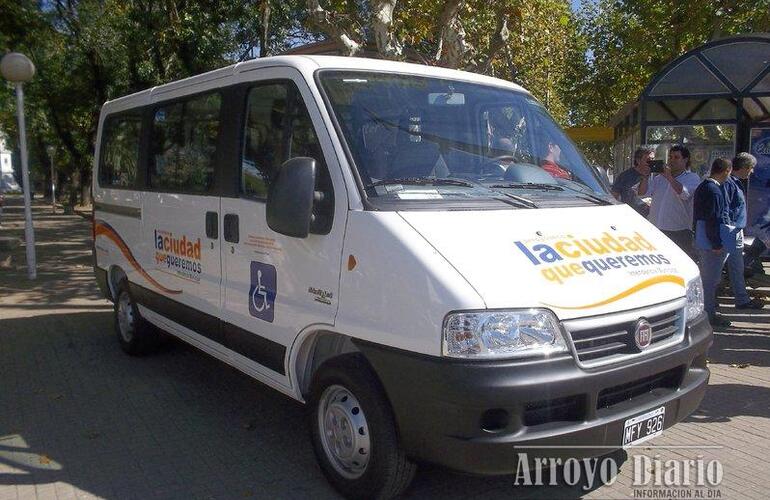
(313, 348)
(115, 275)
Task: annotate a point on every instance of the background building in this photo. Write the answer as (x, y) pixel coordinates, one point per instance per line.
(7, 179)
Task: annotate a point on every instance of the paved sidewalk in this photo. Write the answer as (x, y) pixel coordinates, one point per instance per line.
(79, 419)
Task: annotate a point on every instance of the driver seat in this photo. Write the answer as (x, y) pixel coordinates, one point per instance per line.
(416, 158)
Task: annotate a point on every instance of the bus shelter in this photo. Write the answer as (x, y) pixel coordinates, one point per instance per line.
(715, 99)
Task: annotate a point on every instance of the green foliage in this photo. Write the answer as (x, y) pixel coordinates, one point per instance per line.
(91, 51)
(584, 66)
(628, 41)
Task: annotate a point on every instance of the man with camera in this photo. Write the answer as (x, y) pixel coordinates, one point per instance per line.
(671, 192)
(626, 185)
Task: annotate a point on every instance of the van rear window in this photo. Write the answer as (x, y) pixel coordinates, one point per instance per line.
(184, 143)
(120, 151)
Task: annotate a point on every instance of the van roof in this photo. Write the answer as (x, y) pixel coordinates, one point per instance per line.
(306, 64)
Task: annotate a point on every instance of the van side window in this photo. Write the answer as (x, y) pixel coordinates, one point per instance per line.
(120, 150)
(264, 144)
(183, 146)
(278, 128)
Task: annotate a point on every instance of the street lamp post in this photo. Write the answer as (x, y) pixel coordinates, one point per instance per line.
(17, 69)
(51, 153)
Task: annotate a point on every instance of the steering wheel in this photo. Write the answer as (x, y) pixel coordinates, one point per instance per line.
(493, 167)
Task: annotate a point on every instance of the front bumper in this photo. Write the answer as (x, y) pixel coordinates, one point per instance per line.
(477, 416)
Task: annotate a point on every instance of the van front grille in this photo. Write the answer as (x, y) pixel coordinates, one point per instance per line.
(610, 338)
(611, 396)
(568, 409)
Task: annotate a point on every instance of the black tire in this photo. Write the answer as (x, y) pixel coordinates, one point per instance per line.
(388, 471)
(136, 336)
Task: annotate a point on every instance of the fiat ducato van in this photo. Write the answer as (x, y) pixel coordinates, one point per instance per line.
(419, 255)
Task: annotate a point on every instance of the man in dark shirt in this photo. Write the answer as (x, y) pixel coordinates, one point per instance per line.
(710, 215)
(625, 186)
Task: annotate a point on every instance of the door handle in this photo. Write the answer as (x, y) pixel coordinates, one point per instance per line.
(231, 232)
(212, 225)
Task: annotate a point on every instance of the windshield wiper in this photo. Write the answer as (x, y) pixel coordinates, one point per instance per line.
(589, 196)
(521, 202)
(528, 185)
(552, 187)
(422, 181)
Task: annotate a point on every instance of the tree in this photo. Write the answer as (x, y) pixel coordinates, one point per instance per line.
(626, 42)
(90, 51)
(436, 32)
(524, 41)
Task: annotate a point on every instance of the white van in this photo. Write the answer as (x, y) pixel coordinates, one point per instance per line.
(419, 254)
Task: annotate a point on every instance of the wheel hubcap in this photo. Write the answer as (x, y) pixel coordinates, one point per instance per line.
(344, 431)
(125, 317)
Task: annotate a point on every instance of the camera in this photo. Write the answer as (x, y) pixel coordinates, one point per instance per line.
(657, 166)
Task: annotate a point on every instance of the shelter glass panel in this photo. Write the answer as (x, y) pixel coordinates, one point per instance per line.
(715, 109)
(617, 156)
(689, 77)
(740, 62)
(765, 101)
(752, 107)
(763, 85)
(705, 142)
(759, 201)
(675, 110)
(659, 112)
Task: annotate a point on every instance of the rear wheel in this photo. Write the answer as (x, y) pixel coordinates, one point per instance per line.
(136, 336)
(353, 432)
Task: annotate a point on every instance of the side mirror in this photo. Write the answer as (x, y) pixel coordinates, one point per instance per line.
(291, 196)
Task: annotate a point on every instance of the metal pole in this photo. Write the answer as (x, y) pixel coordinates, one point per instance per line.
(29, 232)
(53, 188)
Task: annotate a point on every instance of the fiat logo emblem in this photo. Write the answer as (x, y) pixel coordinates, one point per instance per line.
(643, 334)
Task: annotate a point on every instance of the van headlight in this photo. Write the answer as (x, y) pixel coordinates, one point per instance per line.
(694, 299)
(502, 334)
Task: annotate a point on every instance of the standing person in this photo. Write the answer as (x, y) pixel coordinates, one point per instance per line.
(626, 185)
(735, 195)
(710, 215)
(672, 202)
(753, 263)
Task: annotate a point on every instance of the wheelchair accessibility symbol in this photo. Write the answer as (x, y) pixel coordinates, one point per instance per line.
(262, 291)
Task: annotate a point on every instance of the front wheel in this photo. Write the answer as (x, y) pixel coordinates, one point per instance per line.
(353, 432)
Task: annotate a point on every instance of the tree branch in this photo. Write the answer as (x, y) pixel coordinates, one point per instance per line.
(498, 42)
(324, 21)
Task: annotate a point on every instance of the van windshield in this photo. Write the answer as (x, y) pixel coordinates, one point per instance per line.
(415, 138)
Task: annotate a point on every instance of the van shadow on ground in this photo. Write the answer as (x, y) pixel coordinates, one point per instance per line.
(175, 424)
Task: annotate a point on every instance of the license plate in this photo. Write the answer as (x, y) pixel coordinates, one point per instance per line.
(639, 429)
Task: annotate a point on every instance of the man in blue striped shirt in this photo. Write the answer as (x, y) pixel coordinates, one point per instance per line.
(735, 197)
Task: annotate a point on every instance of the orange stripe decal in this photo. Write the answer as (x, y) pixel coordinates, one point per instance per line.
(101, 227)
(666, 278)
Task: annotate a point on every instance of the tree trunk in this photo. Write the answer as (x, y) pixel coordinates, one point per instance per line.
(452, 47)
(388, 46)
(85, 185)
(263, 33)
